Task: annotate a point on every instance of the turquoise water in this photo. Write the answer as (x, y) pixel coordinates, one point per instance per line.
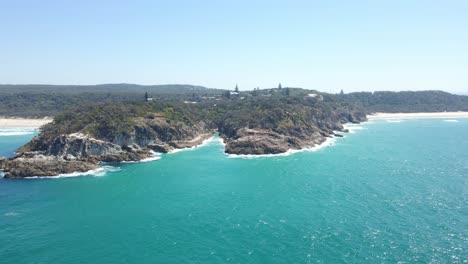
(387, 193)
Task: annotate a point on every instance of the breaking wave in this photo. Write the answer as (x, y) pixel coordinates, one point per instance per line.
(18, 131)
(102, 171)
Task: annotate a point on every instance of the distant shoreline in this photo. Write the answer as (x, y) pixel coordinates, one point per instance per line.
(23, 122)
(417, 115)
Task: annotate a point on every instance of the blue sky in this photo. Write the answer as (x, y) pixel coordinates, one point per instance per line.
(323, 45)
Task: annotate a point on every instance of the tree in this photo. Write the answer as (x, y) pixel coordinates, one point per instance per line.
(279, 86)
(287, 91)
(236, 89)
(146, 96)
(341, 93)
(255, 91)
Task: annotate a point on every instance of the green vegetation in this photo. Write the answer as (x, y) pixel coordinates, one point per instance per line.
(105, 121)
(50, 100)
(280, 118)
(270, 110)
(407, 102)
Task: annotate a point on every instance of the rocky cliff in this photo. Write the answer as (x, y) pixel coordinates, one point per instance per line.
(281, 129)
(80, 140)
(48, 155)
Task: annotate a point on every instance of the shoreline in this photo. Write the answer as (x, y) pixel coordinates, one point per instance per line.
(376, 116)
(329, 141)
(14, 122)
(104, 167)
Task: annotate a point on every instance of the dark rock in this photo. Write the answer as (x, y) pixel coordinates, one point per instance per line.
(163, 148)
(256, 142)
(51, 156)
(45, 166)
(2, 162)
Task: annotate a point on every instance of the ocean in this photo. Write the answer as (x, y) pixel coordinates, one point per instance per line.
(388, 192)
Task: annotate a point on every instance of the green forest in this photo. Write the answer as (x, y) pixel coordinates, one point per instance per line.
(50, 100)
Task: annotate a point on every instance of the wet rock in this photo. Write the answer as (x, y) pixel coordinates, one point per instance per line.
(42, 165)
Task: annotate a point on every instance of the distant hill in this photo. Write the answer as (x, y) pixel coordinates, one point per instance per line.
(38, 100)
(100, 88)
(408, 101)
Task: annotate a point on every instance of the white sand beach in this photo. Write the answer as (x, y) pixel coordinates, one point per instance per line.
(417, 115)
(23, 122)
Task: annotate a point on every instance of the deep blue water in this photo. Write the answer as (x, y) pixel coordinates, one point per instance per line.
(388, 192)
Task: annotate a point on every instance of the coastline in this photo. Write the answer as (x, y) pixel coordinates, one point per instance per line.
(330, 141)
(375, 116)
(9, 122)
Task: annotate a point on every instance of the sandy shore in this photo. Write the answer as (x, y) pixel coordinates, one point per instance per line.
(417, 115)
(23, 122)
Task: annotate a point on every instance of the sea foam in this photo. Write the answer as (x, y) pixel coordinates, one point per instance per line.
(96, 173)
(154, 156)
(18, 131)
(451, 120)
(353, 127)
(204, 143)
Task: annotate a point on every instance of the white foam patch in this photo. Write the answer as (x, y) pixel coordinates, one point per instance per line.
(451, 120)
(154, 156)
(10, 214)
(96, 173)
(18, 131)
(393, 121)
(353, 127)
(204, 143)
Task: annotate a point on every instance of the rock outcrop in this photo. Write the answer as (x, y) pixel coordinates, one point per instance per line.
(79, 152)
(42, 165)
(298, 135)
(257, 142)
(255, 127)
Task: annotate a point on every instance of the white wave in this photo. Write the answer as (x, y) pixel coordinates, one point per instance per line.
(204, 143)
(6, 134)
(154, 156)
(96, 173)
(11, 214)
(353, 127)
(18, 131)
(393, 121)
(451, 120)
(328, 142)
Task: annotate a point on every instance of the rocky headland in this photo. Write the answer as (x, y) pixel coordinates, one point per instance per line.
(274, 130)
(48, 155)
(81, 140)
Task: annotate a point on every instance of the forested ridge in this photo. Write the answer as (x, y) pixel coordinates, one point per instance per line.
(49, 100)
(408, 101)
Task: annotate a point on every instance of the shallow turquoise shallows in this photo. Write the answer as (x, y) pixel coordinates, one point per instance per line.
(388, 192)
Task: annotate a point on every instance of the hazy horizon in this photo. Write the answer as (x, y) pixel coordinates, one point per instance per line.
(325, 46)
